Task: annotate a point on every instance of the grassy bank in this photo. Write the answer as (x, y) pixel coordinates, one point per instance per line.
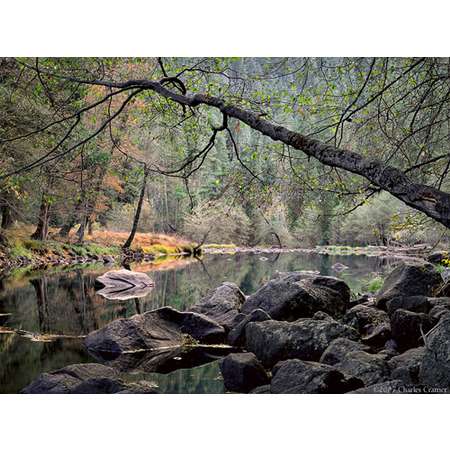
(23, 251)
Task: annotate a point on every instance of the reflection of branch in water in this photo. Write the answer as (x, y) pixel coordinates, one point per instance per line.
(203, 266)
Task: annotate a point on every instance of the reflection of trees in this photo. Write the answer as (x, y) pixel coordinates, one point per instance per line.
(40, 288)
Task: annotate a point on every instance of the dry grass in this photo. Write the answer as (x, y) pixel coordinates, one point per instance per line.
(117, 238)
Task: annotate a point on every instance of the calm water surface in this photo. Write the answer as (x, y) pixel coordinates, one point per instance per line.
(67, 304)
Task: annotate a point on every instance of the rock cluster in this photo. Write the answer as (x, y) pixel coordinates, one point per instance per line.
(299, 333)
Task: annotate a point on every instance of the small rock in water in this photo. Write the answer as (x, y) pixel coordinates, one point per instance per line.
(338, 267)
(124, 284)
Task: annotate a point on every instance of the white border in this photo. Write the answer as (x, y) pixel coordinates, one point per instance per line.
(214, 28)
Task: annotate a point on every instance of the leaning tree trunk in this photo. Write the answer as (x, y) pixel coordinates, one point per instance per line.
(431, 201)
(41, 232)
(137, 215)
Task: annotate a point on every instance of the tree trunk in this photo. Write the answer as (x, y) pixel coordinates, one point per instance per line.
(65, 229)
(6, 217)
(90, 228)
(431, 201)
(137, 215)
(41, 232)
(3, 240)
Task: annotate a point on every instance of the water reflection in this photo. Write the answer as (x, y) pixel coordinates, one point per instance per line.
(67, 304)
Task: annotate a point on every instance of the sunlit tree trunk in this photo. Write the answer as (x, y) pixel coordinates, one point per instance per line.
(137, 215)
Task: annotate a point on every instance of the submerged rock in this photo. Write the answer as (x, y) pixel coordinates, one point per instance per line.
(300, 377)
(409, 279)
(124, 284)
(272, 341)
(86, 379)
(221, 304)
(242, 372)
(296, 296)
(163, 327)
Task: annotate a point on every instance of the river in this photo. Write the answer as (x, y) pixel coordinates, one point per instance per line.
(66, 303)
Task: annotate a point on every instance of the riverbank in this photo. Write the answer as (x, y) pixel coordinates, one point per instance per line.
(416, 251)
(102, 247)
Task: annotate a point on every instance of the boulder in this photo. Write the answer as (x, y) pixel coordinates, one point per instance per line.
(338, 348)
(364, 318)
(163, 327)
(86, 379)
(405, 367)
(439, 307)
(415, 303)
(407, 328)
(300, 377)
(221, 304)
(236, 337)
(265, 389)
(369, 368)
(435, 367)
(289, 299)
(409, 279)
(377, 337)
(272, 341)
(124, 284)
(387, 387)
(242, 372)
(444, 290)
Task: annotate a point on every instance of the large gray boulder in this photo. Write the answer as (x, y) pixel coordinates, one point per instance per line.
(300, 377)
(161, 328)
(222, 304)
(86, 379)
(293, 297)
(372, 323)
(338, 349)
(242, 372)
(407, 328)
(435, 367)
(272, 341)
(409, 279)
(364, 318)
(416, 303)
(439, 307)
(406, 366)
(236, 337)
(370, 368)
